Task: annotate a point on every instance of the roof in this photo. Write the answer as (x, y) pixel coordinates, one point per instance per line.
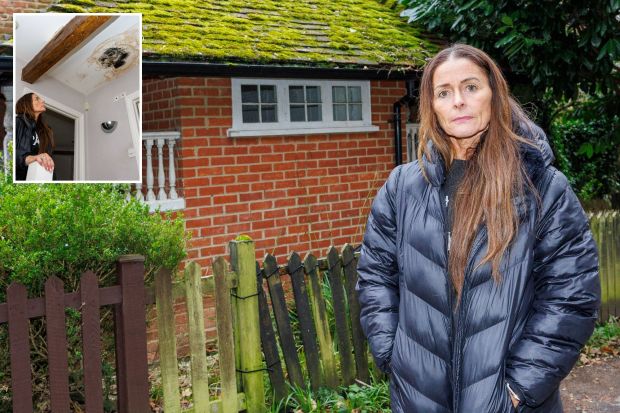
(311, 33)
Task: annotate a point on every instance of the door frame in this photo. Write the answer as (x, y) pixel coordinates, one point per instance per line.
(79, 158)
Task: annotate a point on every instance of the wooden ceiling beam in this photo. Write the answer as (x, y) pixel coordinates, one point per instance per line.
(64, 42)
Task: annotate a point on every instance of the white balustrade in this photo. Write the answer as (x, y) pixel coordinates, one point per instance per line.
(5, 152)
(165, 200)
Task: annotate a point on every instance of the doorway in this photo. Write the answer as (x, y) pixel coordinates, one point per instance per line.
(64, 139)
(78, 169)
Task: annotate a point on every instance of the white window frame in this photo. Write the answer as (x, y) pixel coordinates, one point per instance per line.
(284, 126)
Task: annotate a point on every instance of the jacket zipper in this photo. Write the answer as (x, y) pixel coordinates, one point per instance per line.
(459, 331)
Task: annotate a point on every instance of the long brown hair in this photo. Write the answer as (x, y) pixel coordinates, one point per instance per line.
(495, 174)
(46, 136)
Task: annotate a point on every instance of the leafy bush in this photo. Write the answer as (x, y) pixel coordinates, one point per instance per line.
(64, 230)
(586, 142)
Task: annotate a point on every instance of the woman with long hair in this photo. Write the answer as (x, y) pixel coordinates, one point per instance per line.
(34, 140)
(478, 276)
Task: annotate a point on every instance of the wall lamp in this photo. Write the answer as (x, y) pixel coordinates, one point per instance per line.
(109, 126)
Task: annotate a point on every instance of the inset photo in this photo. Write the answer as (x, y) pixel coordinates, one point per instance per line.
(77, 93)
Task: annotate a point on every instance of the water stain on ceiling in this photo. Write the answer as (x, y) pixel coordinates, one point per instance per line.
(117, 54)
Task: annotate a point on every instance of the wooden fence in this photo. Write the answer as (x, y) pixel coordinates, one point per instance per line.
(250, 300)
(606, 231)
(322, 367)
(128, 303)
(245, 319)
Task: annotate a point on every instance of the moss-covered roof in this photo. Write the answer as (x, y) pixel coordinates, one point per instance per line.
(325, 33)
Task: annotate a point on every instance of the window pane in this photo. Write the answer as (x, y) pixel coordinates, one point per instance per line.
(296, 94)
(249, 93)
(355, 112)
(339, 94)
(250, 114)
(313, 94)
(268, 113)
(267, 94)
(340, 112)
(355, 94)
(298, 113)
(314, 113)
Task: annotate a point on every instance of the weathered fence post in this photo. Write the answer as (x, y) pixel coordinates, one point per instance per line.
(616, 267)
(58, 364)
(225, 338)
(268, 340)
(130, 327)
(283, 322)
(359, 341)
(347, 364)
(21, 379)
(197, 340)
(91, 342)
(244, 263)
(164, 302)
(321, 324)
(306, 324)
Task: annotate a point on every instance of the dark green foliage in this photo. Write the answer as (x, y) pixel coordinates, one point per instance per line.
(586, 144)
(563, 46)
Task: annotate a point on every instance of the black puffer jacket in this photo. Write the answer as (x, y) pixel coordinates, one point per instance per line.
(527, 331)
(27, 144)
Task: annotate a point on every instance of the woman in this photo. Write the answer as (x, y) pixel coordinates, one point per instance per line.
(478, 276)
(34, 139)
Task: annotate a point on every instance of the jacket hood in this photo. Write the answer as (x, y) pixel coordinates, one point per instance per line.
(535, 157)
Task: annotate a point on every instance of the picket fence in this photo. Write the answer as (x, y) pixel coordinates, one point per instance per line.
(606, 232)
(251, 299)
(248, 345)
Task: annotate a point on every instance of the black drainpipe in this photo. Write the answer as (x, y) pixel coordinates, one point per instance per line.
(411, 97)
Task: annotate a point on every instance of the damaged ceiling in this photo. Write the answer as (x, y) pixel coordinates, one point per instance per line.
(106, 54)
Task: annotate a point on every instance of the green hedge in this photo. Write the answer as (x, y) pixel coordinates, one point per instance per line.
(586, 142)
(64, 230)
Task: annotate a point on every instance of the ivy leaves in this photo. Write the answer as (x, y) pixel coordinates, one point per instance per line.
(562, 46)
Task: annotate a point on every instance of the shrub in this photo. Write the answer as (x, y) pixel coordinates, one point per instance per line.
(64, 230)
(586, 142)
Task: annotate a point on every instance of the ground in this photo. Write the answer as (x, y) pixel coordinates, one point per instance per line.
(593, 387)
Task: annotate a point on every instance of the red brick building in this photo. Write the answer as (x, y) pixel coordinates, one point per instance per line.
(276, 119)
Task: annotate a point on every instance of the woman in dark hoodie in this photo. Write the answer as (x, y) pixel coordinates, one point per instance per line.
(34, 140)
(478, 275)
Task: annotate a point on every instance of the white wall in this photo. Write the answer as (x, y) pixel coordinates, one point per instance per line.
(49, 87)
(106, 153)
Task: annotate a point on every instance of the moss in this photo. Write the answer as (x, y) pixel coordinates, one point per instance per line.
(310, 32)
(243, 237)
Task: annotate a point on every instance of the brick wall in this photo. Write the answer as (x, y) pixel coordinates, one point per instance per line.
(289, 193)
(8, 7)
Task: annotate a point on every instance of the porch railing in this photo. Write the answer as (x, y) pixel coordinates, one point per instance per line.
(5, 152)
(164, 196)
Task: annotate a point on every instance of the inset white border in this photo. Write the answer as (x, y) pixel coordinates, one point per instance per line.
(81, 167)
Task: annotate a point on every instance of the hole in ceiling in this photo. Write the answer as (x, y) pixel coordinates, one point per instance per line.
(113, 57)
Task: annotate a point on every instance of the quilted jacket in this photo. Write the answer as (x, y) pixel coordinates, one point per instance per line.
(527, 330)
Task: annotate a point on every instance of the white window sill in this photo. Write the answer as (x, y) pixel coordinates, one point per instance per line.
(239, 133)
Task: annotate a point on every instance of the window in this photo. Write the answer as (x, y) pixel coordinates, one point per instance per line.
(305, 103)
(264, 107)
(347, 102)
(259, 103)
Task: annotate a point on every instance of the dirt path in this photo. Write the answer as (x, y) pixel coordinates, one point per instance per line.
(593, 388)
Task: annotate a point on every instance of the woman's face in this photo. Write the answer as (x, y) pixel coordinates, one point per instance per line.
(461, 98)
(38, 104)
